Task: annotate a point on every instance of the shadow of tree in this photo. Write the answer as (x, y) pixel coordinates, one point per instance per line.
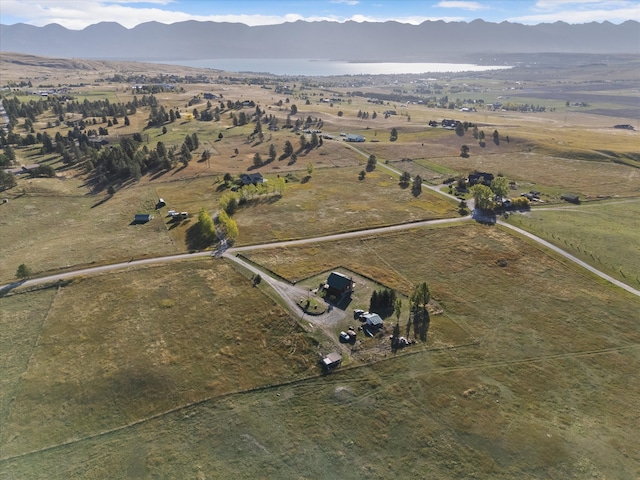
(420, 321)
(195, 240)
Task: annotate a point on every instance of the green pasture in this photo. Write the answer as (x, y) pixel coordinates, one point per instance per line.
(553, 175)
(605, 235)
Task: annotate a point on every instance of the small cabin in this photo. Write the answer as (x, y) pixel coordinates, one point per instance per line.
(331, 361)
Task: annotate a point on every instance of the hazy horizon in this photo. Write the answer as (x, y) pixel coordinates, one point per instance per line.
(130, 13)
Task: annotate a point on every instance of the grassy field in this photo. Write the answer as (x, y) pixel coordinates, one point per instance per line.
(53, 224)
(187, 371)
(175, 335)
(544, 391)
(62, 211)
(606, 235)
(335, 200)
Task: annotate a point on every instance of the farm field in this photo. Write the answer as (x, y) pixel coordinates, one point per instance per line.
(195, 369)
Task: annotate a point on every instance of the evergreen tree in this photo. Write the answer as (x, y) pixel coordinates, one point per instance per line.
(23, 272)
(416, 188)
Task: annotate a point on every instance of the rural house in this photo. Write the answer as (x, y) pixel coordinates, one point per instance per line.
(480, 177)
(338, 285)
(251, 178)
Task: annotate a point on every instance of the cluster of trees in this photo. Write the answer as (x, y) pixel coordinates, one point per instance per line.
(419, 314)
(7, 157)
(228, 226)
(365, 115)
(523, 107)
(384, 299)
(165, 79)
(416, 186)
(7, 180)
(61, 105)
(159, 116)
(484, 195)
(230, 201)
(206, 228)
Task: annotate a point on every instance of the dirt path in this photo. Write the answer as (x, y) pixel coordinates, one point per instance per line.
(291, 294)
(570, 257)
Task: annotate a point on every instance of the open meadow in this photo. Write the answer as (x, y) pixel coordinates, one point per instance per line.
(195, 369)
(604, 234)
(544, 389)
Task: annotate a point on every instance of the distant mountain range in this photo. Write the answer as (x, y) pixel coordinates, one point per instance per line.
(350, 41)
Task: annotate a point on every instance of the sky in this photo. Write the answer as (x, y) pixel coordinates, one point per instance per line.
(78, 14)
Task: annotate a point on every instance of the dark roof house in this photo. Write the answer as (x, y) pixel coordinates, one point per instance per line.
(339, 282)
(251, 178)
(480, 177)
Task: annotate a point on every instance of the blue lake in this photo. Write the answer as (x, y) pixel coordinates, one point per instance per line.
(287, 66)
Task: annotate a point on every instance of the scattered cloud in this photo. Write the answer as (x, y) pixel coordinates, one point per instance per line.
(580, 11)
(76, 14)
(473, 6)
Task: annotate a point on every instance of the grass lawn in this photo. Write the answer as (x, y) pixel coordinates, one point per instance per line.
(605, 235)
(462, 265)
(107, 356)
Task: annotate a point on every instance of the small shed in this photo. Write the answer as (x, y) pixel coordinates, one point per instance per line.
(353, 137)
(142, 217)
(373, 320)
(331, 361)
(569, 197)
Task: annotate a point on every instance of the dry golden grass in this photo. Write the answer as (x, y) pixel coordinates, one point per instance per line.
(546, 390)
(173, 336)
(54, 223)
